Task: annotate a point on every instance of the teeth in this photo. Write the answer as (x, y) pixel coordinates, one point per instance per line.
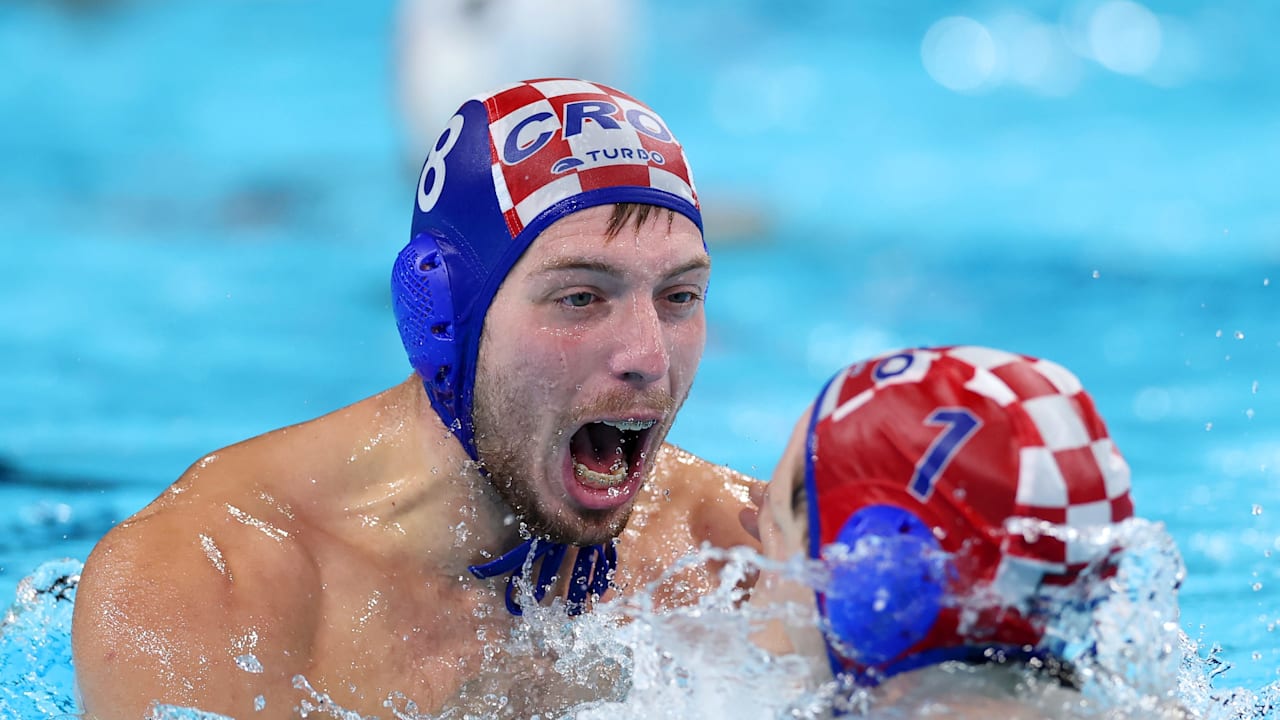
(631, 425)
(616, 475)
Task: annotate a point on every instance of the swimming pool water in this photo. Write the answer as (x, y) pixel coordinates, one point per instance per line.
(200, 206)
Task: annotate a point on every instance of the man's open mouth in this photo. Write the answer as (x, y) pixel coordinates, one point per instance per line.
(605, 453)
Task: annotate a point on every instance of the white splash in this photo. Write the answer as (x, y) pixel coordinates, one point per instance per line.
(639, 662)
(249, 663)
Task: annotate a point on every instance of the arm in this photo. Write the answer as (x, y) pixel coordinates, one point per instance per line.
(165, 606)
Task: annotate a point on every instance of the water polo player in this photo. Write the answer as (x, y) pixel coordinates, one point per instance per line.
(550, 300)
(913, 476)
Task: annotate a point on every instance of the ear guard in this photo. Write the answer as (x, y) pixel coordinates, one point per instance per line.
(424, 316)
(887, 591)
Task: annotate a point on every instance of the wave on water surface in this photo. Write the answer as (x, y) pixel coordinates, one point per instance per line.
(1131, 658)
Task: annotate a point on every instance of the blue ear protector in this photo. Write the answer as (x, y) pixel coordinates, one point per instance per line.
(885, 596)
(424, 315)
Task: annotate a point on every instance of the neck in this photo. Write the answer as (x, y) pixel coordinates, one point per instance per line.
(418, 484)
(478, 523)
(483, 537)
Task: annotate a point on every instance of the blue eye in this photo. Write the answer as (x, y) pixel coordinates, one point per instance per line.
(684, 297)
(578, 299)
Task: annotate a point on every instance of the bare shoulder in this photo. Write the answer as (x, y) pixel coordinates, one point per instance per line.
(711, 496)
(215, 590)
(177, 601)
(687, 503)
(684, 466)
(699, 479)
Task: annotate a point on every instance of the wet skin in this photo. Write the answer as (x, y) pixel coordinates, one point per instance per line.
(610, 332)
(337, 549)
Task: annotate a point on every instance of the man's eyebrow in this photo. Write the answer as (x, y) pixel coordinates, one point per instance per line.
(702, 262)
(569, 264)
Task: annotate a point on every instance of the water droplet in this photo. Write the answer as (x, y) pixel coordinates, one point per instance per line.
(1254, 388)
(1208, 426)
(1266, 282)
(1257, 509)
(249, 663)
(1249, 413)
(1239, 335)
(259, 703)
(1257, 586)
(1096, 274)
(1218, 334)
(1256, 655)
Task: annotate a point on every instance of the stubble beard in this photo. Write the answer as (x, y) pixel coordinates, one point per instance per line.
(507, 453)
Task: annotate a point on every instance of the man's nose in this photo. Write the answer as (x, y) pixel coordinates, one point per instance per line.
(640, 355)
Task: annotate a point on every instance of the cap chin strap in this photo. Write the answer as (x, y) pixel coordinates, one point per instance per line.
(592, 569)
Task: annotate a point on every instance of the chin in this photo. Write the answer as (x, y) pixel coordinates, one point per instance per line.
(547, 510)
(581, 488)
(576, 526)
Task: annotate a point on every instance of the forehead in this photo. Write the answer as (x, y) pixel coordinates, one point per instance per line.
(666, 239)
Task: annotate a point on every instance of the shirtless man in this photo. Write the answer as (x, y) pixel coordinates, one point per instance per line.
(909, 477)
(550, 301)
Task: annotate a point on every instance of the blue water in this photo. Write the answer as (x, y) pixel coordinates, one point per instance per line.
(199, 205)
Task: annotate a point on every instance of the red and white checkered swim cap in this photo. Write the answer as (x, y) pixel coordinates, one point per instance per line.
(944, 447)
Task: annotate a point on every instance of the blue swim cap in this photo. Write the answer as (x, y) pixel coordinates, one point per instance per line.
(507, 166)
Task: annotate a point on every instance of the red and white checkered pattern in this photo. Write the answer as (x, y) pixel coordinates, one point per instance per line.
(530, 186)
(1002, 456)
(1069, 473)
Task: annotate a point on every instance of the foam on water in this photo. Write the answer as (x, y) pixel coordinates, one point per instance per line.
(627, 660)
(36, 678)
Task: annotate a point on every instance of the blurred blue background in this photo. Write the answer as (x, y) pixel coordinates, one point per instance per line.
(200, 203)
